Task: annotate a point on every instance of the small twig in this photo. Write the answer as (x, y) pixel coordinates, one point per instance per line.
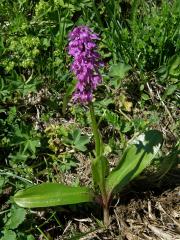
(67, 227)
(42, 233)
(5, 211)
(162, 234)
(162, 210)
(124, 115)
(117, 202)
(151, 216)
(52, 228)
(118, 223)
(83, 220)
(164, 105)
(150, 91)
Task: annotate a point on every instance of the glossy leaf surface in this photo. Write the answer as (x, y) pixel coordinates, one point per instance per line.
(52, 194)
(135, 159)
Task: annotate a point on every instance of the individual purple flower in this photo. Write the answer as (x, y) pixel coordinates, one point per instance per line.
(86, 64)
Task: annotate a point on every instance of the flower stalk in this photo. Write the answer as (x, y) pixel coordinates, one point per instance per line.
(96, 133)
(86, 66)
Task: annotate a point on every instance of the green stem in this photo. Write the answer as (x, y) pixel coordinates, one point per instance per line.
(106, 218)
(97, 136)
(99, 153)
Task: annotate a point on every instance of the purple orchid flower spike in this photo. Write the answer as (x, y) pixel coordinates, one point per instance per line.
(86, 63)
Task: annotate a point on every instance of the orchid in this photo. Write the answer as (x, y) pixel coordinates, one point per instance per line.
(82, 47)
(106, 182)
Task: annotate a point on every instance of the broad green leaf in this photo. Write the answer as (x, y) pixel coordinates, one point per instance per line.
(30, 237)
(52, 194)
(135, 159)
(81, 142)
(76, 134)
(77, 140)
(100, 169)
(170, 90)
(145, 97)
(16, 218)
(174, 66)
(81, 147)
(119, 70)
(31, 145)
(9, 235)
(166, 163)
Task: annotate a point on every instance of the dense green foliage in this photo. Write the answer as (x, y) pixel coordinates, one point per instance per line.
(41, 131)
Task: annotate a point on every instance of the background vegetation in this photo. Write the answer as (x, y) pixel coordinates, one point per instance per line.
(43, 135)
